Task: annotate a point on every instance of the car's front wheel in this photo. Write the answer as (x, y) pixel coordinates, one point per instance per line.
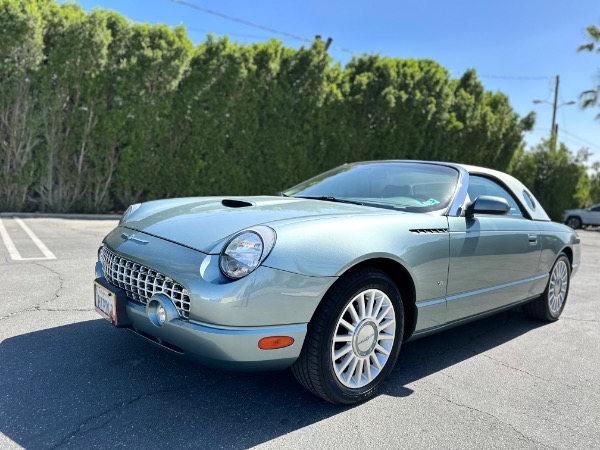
(549, 306)
(354, 338)
(574, 222)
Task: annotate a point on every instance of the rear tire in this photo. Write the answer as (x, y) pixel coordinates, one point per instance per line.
(353, 339)
(550, 305)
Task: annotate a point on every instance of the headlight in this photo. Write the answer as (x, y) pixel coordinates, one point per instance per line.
(129, 212)
(246, 251)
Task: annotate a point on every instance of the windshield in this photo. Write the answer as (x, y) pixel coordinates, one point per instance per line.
(412, 187)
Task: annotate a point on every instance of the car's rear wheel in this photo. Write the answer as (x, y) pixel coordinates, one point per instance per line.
(354, 338)
(549, 306)
(574, 222)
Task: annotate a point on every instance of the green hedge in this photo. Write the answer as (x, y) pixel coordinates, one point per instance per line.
(97, 112)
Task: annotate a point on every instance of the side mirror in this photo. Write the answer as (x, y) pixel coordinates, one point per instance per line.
(486, 204)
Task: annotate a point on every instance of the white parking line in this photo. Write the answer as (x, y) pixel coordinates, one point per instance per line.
(8, 243)
(36, 240)
(12, 249)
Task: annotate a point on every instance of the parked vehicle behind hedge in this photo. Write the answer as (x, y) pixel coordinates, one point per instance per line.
(578, 218)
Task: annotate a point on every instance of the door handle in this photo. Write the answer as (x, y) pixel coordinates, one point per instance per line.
(533, 239)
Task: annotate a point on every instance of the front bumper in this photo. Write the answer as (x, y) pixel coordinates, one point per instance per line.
(225, 348)
(231, 348)
(226, 319)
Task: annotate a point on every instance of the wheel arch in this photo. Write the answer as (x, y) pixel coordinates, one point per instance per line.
(401, 277)
(569, 252)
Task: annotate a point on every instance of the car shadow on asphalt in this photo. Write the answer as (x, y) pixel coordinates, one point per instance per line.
(87, 384)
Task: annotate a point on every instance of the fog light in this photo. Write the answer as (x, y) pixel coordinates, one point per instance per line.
(161, 315)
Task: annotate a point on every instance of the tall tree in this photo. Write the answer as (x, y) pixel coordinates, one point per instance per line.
(556, 176)
(591, 97)
(156, 59)
(21, 53)
(595, 183)
(76, 47)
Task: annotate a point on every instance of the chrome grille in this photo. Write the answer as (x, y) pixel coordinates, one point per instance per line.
(140, 282)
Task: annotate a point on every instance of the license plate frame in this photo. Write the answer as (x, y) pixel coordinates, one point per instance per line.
(105, 303)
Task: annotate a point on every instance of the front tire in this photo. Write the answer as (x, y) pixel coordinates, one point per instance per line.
(354, 338)
(574, 222)
(550, 305)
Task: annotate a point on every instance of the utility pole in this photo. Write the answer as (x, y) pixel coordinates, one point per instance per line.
(327, 43)
(554, 130)
(555, 106)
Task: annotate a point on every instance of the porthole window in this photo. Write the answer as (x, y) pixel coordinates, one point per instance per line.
(529, 200)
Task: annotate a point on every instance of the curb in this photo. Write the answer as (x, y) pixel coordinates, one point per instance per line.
(41, 215)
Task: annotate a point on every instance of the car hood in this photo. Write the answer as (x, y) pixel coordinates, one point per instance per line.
(203, 223)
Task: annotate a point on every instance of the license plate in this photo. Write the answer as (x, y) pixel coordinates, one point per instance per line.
(105, 303)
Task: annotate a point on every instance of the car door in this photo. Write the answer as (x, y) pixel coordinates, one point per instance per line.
(591, 216)
(493, 258)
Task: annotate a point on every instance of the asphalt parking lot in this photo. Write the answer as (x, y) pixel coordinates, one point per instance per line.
(70, 380)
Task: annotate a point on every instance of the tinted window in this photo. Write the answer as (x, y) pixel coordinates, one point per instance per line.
(410, 187)
(596, 208)
(483, 186)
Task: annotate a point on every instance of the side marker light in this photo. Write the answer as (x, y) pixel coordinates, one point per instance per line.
(275, 342)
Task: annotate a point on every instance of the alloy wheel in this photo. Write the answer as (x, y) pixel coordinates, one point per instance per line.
(363, 338)
(559, 284)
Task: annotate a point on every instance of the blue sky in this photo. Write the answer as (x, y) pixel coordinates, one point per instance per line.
(516, 46)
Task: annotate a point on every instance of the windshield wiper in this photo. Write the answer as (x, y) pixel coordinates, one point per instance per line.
(333, 199)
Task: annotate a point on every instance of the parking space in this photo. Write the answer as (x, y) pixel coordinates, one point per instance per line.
(21, 243)
(70, 380)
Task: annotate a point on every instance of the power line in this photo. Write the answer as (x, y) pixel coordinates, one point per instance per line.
(539, 130)
(255, 25)
(218, 33)
(571, 137)
(254, 36)
(507, 77)
(585, 141)
(516, 77)
(242, 21)
(342, 49)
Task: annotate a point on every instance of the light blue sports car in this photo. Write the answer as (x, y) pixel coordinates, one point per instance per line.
(333, 275)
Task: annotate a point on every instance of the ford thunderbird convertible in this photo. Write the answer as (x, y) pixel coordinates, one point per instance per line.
(331, 276)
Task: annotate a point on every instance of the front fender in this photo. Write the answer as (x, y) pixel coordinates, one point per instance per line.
(329, 247)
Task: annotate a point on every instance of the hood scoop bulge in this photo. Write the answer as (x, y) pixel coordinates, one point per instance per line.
(234, 203)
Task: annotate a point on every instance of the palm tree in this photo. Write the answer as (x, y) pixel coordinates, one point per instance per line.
(591, 97)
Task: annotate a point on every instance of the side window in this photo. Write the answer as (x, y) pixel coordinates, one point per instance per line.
(596, 208)
(529, 200)
(484, 186)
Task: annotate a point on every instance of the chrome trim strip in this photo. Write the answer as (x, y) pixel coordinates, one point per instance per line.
(464, 320)
(433, 302)
(267, 329)
(494, 288)
(460, 195)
